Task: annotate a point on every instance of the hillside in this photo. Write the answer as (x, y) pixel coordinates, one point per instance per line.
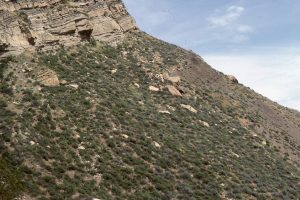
(123, 115)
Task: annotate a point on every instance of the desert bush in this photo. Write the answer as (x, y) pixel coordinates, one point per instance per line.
(11, 184)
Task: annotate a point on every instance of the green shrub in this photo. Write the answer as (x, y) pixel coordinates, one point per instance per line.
(11, 185)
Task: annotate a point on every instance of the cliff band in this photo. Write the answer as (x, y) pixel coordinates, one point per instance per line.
(46, 25)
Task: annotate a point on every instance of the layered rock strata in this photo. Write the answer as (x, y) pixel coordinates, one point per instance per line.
(48, 24)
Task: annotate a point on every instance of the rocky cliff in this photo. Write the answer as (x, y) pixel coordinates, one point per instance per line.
(48, 24)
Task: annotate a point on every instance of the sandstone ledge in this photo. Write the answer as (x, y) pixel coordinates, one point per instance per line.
(48, 24)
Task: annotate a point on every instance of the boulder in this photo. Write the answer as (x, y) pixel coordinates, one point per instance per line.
(188, 107)
(125, 136)
(74, 86)
(204, 123)
(48, 77)
(173, 79)
(137, 85)
(173, 90)
(164, 112)
(156, 144)
(81, 148)
(232, 79)
(114, 71)
(153, 88)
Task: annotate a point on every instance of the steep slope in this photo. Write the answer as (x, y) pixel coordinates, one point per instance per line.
(276, 124)
(139, 119)
(103, 133)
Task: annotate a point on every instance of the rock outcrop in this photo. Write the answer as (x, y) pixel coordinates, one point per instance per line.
(173, 90)
(47, 24)
(232, 79)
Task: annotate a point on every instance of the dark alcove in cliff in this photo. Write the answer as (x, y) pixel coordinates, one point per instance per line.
(86, 34)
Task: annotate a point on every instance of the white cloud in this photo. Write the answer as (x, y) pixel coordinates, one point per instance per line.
(238, 38)
(296, 60)
(226, 25)
(244, 29)
(275, 75)
(232, 13)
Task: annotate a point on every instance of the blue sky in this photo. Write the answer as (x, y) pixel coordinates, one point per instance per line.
(257, 41)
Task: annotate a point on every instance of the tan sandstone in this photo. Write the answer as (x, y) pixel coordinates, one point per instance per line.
(48, 24)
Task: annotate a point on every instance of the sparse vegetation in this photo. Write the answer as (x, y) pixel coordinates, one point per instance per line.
(107, 138)
(10, 181)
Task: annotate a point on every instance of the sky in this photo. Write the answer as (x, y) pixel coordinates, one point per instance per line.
(256, 41)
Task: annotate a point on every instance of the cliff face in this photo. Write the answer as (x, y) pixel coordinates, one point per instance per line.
(48, 24)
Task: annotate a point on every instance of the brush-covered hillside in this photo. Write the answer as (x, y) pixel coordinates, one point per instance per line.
(137, 118)
(113, 122)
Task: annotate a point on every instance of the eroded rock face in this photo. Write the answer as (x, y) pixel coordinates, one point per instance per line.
(48, 24)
